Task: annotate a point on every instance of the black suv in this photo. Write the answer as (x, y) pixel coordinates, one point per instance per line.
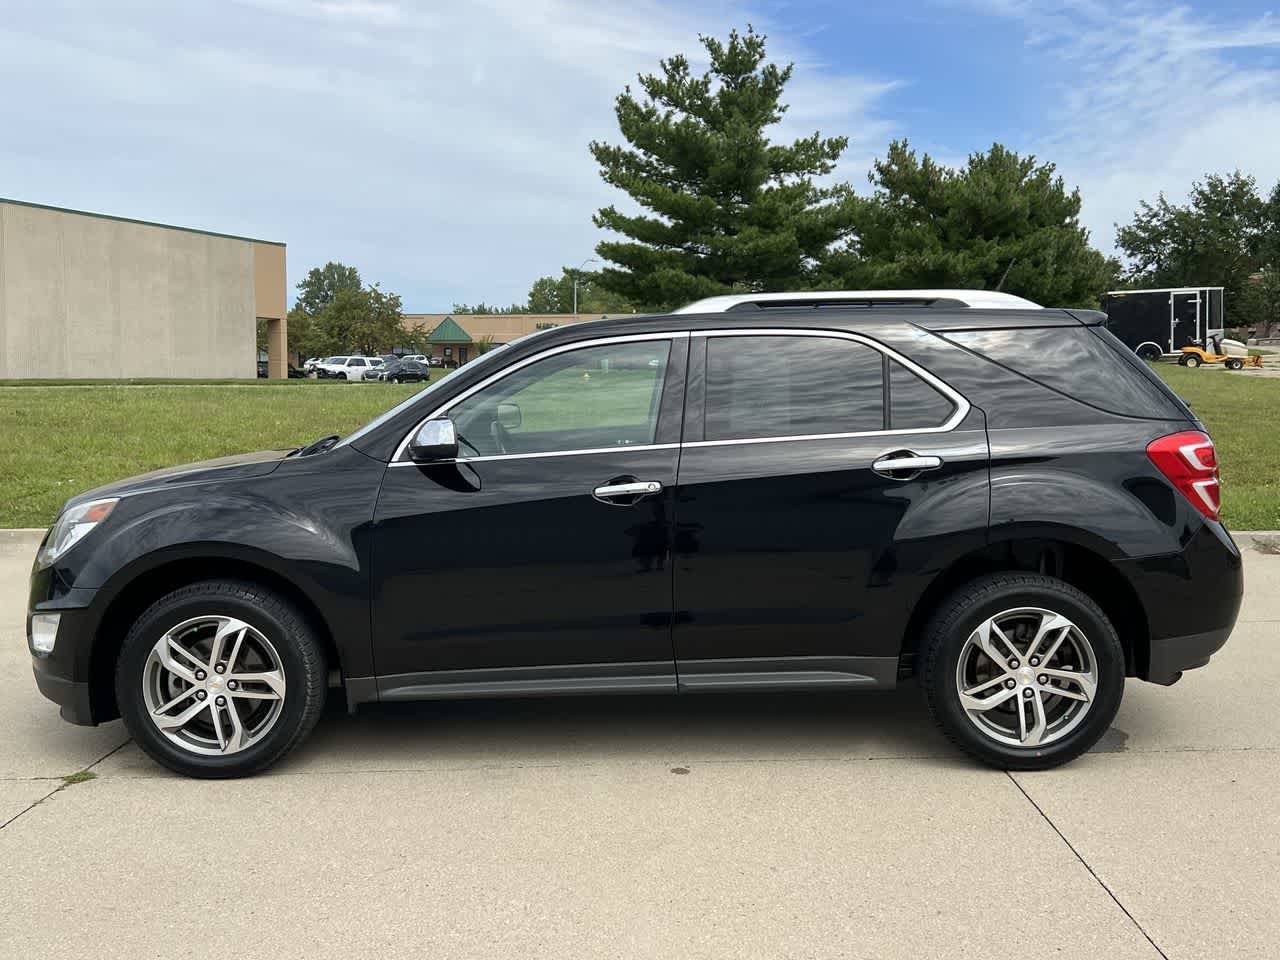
(773, 492)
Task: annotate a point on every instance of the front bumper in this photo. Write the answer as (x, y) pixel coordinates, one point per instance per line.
(71, 696)
(64, 674)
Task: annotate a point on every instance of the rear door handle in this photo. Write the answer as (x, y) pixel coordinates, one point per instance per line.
(632, 489)
(893, 466)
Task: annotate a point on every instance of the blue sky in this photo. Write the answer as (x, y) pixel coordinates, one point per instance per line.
(441, 147)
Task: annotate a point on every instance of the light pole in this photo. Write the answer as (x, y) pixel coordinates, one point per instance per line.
(575, 284)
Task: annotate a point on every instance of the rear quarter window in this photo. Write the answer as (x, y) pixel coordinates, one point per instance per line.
(1076, 362)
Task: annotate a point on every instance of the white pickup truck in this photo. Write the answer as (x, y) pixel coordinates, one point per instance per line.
(347, 368)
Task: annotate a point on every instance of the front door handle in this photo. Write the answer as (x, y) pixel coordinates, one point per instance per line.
(904, 466)
(634, 488)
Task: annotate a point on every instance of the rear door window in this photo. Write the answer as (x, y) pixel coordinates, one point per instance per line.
(792, 386)
(914, 403)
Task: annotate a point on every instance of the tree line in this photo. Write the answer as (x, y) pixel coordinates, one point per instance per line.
(716, 206)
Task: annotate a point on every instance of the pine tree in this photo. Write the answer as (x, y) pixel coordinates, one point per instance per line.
(1001, 222)
(724, 209)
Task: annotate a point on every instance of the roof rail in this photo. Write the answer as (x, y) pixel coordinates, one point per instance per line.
(984, 299)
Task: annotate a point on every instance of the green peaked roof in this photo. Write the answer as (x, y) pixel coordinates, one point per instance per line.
(449, 332)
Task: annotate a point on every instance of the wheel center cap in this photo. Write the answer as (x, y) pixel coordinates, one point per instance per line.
(214, 683)
(1027, 676)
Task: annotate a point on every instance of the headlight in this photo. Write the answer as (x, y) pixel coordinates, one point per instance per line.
(73, 526)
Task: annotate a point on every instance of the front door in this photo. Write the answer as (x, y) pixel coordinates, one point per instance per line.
(539, 560)
(800, 547)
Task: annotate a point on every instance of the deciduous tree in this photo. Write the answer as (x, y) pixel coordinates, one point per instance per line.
(1222, 235)
(321, 286)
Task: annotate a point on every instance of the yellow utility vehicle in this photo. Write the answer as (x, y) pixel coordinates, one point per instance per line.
(1232, 355)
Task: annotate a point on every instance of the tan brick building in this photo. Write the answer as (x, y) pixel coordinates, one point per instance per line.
(501, 327)
(94, 296)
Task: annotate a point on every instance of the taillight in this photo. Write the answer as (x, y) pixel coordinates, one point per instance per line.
(1190, 463)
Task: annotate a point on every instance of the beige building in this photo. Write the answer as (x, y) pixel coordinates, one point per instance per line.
(87, 295)
(500, 327)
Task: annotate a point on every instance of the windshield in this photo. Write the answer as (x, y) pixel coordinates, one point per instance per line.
(404, 405)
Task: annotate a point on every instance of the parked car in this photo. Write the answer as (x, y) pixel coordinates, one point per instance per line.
(433, 361)
(348, 368)
(263, 371)
(404, 371)
(999, 499)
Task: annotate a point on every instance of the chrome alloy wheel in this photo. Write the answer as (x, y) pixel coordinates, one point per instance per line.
(1026, 677)
(213, 685)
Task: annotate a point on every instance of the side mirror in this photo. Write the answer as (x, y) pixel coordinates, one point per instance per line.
(435, 440)
(509, 415)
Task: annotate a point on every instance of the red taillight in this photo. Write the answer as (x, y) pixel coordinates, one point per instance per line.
(1190, 463)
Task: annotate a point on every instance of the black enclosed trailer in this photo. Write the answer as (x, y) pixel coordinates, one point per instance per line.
(1157, 322)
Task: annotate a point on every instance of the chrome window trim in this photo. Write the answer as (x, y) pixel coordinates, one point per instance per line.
(550, 453)
(962, 405)
(399, 456)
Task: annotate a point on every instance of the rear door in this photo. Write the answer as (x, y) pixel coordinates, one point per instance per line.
(800, 546)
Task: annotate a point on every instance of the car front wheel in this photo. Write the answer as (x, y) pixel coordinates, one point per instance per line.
(220, 679)
(1022, 671)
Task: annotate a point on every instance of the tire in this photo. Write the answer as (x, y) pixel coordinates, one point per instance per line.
(342, 376)
(1149, 352)
(1193, 360)
(1235, 364)
(395, 380)
(951, 649)
(279, 698)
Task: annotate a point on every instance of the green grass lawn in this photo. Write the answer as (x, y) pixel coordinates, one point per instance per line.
(1242, 414)
(60, 440)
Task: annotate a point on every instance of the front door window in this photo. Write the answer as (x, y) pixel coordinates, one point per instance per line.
(586, 399)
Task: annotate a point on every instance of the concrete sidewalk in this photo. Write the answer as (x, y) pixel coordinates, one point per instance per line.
(719, 826)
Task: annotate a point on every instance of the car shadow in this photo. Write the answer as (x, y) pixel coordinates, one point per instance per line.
(600, 729)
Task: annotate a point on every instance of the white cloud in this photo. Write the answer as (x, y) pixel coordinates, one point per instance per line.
(439, 147)
(1150, 97)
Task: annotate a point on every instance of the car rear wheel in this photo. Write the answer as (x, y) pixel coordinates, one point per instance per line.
(220, 679)
(1022, 671)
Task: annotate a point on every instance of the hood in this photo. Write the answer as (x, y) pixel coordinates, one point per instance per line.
(235, 467)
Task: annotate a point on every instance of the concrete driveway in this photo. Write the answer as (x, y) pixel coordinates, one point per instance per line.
(722, 826)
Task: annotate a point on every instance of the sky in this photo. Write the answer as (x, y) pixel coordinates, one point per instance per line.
(441, 147)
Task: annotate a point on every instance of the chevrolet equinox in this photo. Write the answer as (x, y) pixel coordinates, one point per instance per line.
(829, 491)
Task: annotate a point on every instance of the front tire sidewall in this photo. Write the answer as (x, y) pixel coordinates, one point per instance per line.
(305, 680)
(940, 679)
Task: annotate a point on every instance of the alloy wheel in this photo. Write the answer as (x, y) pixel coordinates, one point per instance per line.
(1026, 677)
(213, 685)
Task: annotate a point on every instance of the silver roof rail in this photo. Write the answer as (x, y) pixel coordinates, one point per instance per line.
(984, 299)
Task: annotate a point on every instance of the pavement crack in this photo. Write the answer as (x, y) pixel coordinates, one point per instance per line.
(32, 806)
(1085, 863)
(63, 785)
